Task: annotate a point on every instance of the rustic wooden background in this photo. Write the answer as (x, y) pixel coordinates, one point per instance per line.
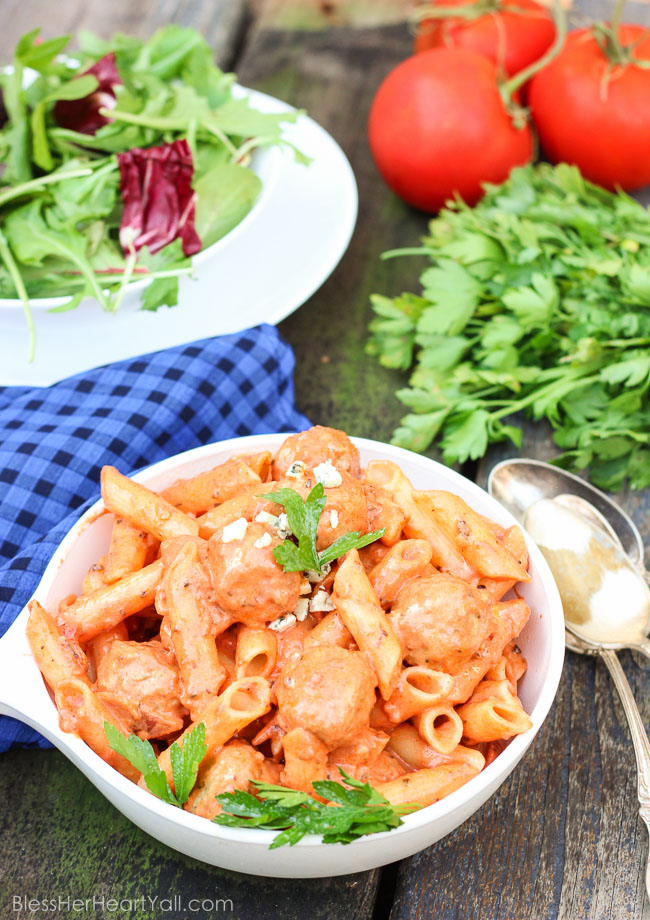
(561, 839)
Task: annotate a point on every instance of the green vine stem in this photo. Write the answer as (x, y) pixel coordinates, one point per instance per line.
(510, 87)
(467, 11)
(608, 38)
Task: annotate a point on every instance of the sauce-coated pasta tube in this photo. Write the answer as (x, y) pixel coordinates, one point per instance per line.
(361, 612)
(305, 760)
(418, 688)
(82, 712)
(424, 787)
(200, 493)
(403, 561)
(239, 705)
(95, 577)
(256, 653)
(419, 524)
(384, 514)
(143, 508)
(127, 552)
(246, 504)
(57, 656)
(104, 609)
(493, 713)
(408, 744)
(473, 537)
(186, 585)
(441, 727)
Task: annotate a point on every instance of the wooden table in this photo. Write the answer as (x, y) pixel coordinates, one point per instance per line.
(561, 838)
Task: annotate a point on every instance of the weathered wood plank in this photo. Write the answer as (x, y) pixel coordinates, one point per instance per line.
(61, 838)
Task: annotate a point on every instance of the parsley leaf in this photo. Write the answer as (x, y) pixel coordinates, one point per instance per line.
(141, 755)
(358, 810)
(535, 301)
(303, 520)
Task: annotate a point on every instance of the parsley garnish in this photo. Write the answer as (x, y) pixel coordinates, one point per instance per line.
(303, 520)
(537, 301)
(141, 755)
(359, 810)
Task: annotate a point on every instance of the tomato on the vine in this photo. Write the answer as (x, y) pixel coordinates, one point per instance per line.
(511, 33)
(439, 125)
(592, 109)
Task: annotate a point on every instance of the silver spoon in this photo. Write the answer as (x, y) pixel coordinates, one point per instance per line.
(592, 546)
(522, 485)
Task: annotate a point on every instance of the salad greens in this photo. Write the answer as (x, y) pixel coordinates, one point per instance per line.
(303, 519)
(537, 299)
(60, 196)
(359, 809)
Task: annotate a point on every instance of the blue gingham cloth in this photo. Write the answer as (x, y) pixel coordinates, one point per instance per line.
(54, 441)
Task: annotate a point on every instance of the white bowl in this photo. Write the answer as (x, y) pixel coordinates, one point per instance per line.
(265, 163)
(24, 696)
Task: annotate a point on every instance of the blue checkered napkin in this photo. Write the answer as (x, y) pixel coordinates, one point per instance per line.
(54, 441)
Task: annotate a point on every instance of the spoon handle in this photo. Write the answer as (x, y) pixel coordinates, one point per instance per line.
(639, 740)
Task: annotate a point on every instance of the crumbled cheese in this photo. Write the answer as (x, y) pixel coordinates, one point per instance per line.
(264, 517)
(315, 577)
(264, 540)
(328, 476)
(305, 587)
(334, 518)
(234, 531)
(302, 609)
(284, 530)
(282, 623)
(321, 602)
(297, 469)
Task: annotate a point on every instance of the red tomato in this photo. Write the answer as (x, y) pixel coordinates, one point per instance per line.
(599, 122)
(513, 39)
(438, 125)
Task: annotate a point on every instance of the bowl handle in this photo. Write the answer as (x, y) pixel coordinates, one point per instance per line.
(23, 694)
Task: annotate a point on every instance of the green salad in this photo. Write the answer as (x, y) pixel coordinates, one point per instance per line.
(121, 160)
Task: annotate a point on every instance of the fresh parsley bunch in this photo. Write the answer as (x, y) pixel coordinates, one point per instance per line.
(359, 810)
(536, 300)
(303, 519)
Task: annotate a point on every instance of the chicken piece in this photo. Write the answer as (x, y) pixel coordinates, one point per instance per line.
(248, 583)
(329, 691)
(441, 621)
(314, 446)
(140, 681)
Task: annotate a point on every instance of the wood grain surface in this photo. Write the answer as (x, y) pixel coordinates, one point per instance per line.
(561, 839)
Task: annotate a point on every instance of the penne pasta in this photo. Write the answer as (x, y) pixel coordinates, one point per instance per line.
(127, 552)
(143, 508)
(83, 713)
(441, 727)
(330, 631)
(192, 626)
(57, 656)
(419, 525)
(89, 616)
(257, 652)
(424, 787)
(200, 493)
(239, 705)
(404, 561)
(418, 688)
(360, 611)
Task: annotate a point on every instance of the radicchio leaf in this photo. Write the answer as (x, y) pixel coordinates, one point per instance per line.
(159, 201)
(82, 115)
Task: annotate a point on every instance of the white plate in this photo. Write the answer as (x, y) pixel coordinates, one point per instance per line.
(23, 693)
(262, 271)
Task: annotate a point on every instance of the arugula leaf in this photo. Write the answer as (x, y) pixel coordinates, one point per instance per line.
(535, 301)
(358, 810)
(304, 517)
(185, 761)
